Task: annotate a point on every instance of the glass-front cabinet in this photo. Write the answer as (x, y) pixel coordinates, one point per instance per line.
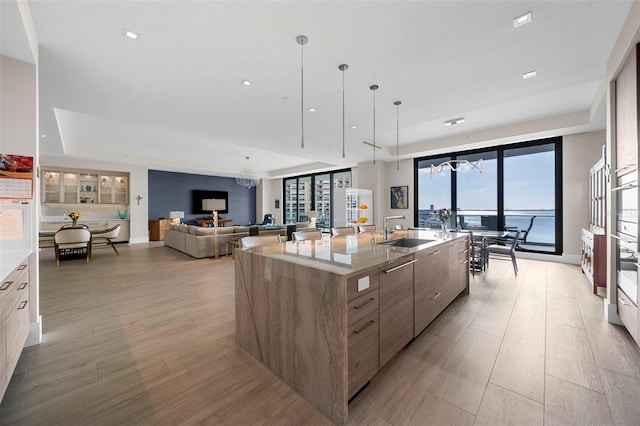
(84, 187)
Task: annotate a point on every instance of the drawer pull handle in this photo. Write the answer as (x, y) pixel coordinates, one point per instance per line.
(363, 328)
(438, 294)
(23, 304)
(6, 285)
(434, 253)
(371, 299)
(22, 286)
(411, 262)
(466, 251)
(21, 267)
(465, 262)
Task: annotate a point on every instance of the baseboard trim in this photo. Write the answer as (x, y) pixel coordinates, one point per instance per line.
(138, 240)
(573, 259)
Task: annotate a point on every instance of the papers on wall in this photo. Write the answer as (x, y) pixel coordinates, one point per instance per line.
(10, 224)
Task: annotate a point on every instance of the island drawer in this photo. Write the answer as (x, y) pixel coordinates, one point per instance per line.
(12, 287)
(362, 352)
(362, 283)
(429, 307)
(362, 306)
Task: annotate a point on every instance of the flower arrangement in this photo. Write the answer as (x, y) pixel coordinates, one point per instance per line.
(74, 217)
(443, 215)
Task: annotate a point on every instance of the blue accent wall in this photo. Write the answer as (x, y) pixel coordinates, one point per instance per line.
(173, 191)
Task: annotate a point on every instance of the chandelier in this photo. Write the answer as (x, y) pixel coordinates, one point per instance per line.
(456, 164)
(247, 177)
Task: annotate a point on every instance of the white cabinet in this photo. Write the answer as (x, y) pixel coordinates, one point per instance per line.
(73, 187)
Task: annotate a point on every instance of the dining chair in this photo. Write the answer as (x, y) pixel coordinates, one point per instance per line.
(72, 242)
(310, 235)
(260, 240)
(341, 231)
(106, 237)
(504, 250)
(366, 228)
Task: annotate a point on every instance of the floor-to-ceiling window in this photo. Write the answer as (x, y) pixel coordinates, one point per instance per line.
(520, 188)
(312, 196)
(529, 194)
(434, 191)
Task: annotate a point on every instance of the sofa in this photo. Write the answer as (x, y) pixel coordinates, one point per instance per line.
(202, 242)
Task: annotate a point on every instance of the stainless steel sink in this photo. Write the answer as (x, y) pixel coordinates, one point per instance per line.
(407, 242)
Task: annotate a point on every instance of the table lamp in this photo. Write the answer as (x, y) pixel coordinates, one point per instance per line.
(176, 215)
(214, 205)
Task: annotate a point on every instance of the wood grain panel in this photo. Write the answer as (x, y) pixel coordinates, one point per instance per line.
(431, 270)
(363, 351)
(362, 306)
(396, 309)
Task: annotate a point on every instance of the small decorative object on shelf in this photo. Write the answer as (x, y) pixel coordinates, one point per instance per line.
(122, 215)
(74, 217)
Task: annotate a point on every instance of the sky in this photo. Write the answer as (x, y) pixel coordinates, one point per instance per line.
(529, 185)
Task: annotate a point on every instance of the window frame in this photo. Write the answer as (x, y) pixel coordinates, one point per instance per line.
(500, 149)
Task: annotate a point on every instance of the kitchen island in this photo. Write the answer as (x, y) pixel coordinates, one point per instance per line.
(325, 316)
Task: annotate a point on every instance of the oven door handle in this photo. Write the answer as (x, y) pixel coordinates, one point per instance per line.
(626, 186)
(623, 240)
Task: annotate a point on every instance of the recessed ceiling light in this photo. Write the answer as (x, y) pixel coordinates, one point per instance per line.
(454, 121)
(131, 35)
(247, 82)
(529, 74)
(354, 127)
(312, 109)
(522, 19)
(43, 136)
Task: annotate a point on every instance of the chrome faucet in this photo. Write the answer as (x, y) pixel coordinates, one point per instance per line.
(386, 226)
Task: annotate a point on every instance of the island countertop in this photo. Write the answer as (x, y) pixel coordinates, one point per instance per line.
(349, 255)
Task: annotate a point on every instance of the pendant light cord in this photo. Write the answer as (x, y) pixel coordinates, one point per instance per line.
(302, 96)
(374, 87)
(343, 68)
(302, 40)
(397, 104)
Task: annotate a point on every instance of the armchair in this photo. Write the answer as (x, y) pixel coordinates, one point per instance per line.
(72, 241)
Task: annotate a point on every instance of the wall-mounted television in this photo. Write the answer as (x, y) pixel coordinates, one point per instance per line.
(198, 195)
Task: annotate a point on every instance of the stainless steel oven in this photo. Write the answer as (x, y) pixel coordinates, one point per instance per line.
(627, 236)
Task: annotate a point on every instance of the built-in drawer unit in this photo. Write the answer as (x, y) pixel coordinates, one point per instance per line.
(429, 307)
(396, 307)
(362, 328)
(363, 351)
(431, 270)
(628, 313)
(14, 321)
(12, 287)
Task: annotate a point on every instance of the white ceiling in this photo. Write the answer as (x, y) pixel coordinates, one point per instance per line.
(173, 100)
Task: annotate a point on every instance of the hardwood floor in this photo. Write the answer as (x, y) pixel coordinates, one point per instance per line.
(147, 337)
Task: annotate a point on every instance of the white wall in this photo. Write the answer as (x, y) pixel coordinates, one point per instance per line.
(138, 185)
(579, 153)
(401, 177)
(267, 192)
(19, 135)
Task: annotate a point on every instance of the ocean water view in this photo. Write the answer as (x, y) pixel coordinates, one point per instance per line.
(542, 230)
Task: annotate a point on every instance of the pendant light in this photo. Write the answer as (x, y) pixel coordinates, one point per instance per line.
(397, 104)
(373, 88)
(343, 68)
(302, 40)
